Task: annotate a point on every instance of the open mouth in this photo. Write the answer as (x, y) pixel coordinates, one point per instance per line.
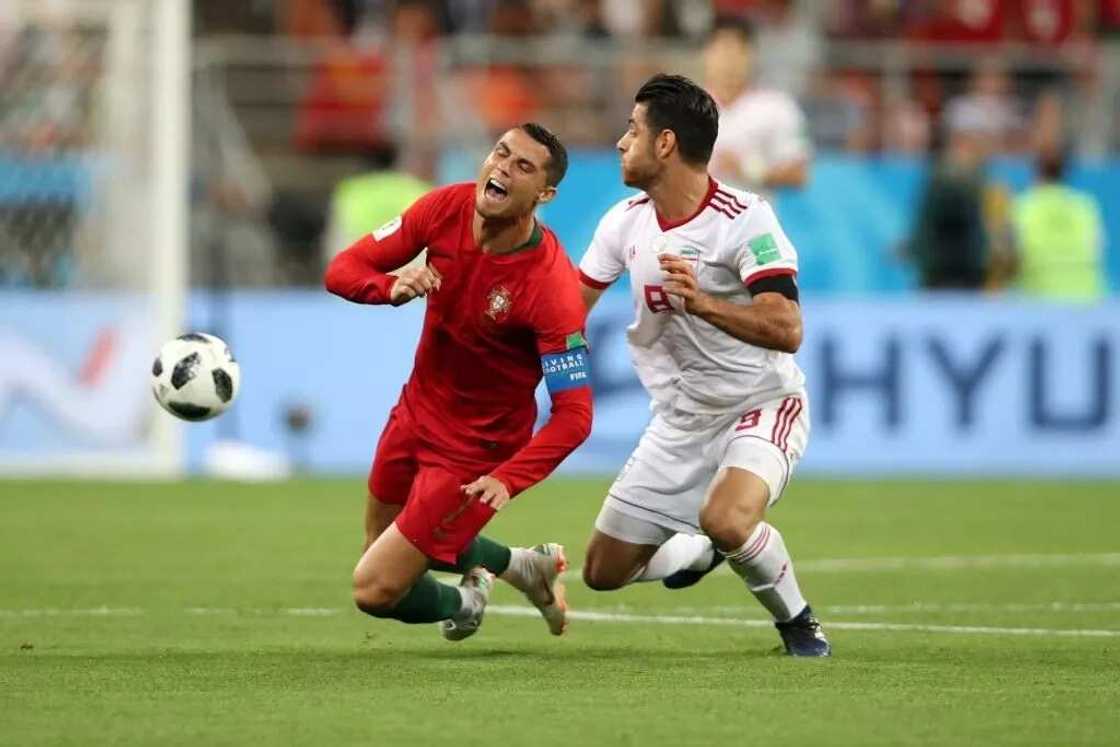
(495, 191)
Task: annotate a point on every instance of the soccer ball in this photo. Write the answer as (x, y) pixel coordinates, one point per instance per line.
(195, 377)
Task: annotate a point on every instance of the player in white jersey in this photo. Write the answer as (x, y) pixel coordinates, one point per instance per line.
(716, 322)
(763, 140)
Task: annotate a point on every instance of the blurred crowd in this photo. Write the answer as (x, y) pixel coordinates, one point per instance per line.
(973, 80)
(1025, 49)
(341, 116)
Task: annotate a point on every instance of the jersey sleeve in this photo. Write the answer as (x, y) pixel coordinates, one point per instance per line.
(603, 262)
(360, 273)
(759, 247)
(557, 323)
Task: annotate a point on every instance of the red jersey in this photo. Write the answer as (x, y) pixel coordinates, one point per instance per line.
(486, 331)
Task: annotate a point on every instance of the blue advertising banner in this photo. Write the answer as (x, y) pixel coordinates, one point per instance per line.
(938, 385)
(935, 385)
(74, 391)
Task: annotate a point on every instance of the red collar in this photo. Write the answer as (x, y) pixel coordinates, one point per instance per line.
(668, 226)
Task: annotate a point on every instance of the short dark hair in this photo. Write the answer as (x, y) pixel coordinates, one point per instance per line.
(673, 102)
(737, 25)
(557, 164)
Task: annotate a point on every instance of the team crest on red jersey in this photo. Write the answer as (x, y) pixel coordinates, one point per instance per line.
(498, 303)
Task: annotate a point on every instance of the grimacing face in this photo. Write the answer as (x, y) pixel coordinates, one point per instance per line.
(513, 180)
(640, 165)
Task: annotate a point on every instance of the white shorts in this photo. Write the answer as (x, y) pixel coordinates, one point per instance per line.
(666, 479)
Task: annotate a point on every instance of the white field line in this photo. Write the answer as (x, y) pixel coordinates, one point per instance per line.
(611, 617)
(878, 609)
(85, 612)
(938, 563)
(874, 609)
(589, 616)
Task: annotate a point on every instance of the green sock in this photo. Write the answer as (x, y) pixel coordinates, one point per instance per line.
(427, 601)
(491, 555)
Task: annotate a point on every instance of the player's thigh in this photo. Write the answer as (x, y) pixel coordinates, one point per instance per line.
(387, 570)
(735, 504)
(768, 441)
(620, 547)
(759, 452)
(395, 460)
(379, 515)
(439, 518)
(665, 479)
(391, 475)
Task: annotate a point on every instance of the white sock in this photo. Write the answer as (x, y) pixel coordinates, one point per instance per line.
(764, 564)
(679, 552)
(520, 566)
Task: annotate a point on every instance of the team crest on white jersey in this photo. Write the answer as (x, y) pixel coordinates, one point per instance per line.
(667, 244)
(498, 303)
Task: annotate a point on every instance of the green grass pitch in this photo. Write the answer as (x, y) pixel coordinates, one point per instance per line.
(218, 613)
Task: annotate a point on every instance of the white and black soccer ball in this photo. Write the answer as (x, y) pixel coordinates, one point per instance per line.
(195, 377)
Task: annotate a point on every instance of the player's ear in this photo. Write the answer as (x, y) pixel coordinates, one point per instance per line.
(665, 143)
(546, 195)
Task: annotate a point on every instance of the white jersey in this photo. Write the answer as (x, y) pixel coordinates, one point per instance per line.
(760, 130)
(683, 361)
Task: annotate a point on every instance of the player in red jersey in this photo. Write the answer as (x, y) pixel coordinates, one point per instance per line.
(503, 304)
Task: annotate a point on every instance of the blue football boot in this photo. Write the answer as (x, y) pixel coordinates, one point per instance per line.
(803, 636)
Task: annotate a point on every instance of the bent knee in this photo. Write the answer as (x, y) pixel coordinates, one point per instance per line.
(375, 599)
(728, 525)
(601, 577)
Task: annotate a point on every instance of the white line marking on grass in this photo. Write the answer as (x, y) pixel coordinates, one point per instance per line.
(960, 562)
(211, 611)
(937, 563)
(290, 611)
(611, 617)
(311, 611)
(590, 616)
(874, 609)
(86, 612)
(871, 609)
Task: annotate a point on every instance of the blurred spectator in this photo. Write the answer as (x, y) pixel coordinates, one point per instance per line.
(950, 241)
(1108, 17)
(504, 95)
(838, 111)
(470, 16)
(956, 21)
(345, 106)
(588, 20)
(362, 203)
(789, 47)
(763, 138)
(988, 109)
(644, 18)
(906, 128)
(863, 19)
(1054, 21)
(1059, 237)
(1048, 128)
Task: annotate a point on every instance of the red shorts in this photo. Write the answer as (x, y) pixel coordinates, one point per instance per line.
(438, 517)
